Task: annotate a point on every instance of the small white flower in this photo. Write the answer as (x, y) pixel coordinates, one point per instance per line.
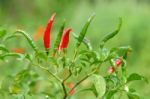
(126, 88)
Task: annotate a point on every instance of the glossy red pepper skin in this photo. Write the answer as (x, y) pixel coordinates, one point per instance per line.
(47, 32)
(111, 70)
(118, 62)
(64, 39)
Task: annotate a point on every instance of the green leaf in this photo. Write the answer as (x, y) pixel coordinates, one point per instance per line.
(122, 51)
(29, 39)
(10, 36)
(58, 39)
(6, 82)
(20, 56)
(84, 59)
(135, 76)
(113, 79)
(109, 94)
(85, 41)
(82, 52)
(53, 61)
(93, 89)
(87, 89)
(132, 90)
(132, 96)
(100, 84)
(22, 76)
(2, 32)
(104, 54)
(111, 35)
(15, 89)
(3, 48)
(28, 57)
(91, 57)
(84, 31)
(41, 55)
(92, 54)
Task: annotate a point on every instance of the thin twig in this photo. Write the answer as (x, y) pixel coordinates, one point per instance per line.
(49, 72)
(83, 79)
(63, 84)
(64, 89)
(120, 96)
(70, 73)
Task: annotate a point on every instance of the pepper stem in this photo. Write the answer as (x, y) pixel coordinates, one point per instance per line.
(47, 51)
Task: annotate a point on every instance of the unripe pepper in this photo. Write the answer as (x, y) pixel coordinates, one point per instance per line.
(47, 32)
(64, 39)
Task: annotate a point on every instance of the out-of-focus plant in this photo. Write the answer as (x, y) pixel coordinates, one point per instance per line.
(65, 74)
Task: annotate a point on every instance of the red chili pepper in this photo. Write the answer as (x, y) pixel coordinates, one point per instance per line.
(71, 85)
(71, 92)
(18, 50)
(47, 32)
(111, 69)
(64, 39)
(118, 62)
(39, 33)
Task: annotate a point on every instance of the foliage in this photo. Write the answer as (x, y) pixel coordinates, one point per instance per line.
(57, 69)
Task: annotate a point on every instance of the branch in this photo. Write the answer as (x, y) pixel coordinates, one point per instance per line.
(57, 78)
(63, 84)
(83, 79)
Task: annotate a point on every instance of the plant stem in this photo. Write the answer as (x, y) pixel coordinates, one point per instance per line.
(57, 78)
(75, 55)
(63, 85)
(64, 89)
(24, 97)
(70, 73)
(120, 96)
(83, 79)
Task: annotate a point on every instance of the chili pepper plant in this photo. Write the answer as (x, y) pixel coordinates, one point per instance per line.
(52, 74)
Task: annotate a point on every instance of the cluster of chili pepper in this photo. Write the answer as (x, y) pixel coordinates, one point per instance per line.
(118, 62)
(64, 39)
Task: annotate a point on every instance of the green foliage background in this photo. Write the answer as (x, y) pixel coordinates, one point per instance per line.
(29, 14)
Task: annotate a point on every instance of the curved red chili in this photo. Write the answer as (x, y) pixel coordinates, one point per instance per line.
(64, 39)
(47, 32)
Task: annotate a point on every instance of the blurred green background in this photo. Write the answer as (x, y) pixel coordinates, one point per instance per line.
(30, 14)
